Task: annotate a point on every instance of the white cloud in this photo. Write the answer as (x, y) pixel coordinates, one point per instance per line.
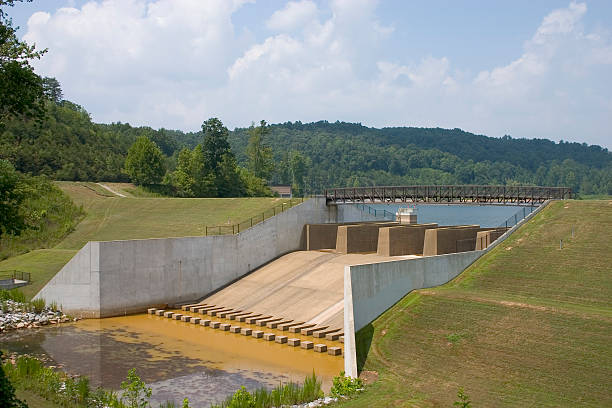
(174, 63)
(294, 16)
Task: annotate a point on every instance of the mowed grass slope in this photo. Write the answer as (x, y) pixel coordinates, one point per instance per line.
(110, 217)
(529, 324)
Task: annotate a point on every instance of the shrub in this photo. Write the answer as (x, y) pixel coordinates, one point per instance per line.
(283, 394)
(38, 305)
(345, 386)
(14, 294)
(136, 394)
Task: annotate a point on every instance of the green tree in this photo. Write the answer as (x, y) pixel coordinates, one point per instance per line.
(21, 90)
(145, 162)
(229, 183)
(52, 89)
(260, 155)
(299, 167)
(215, 145)
(253, 185)
(11, 197)
(190, 178)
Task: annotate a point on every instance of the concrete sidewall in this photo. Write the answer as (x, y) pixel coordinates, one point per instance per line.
(113, 278)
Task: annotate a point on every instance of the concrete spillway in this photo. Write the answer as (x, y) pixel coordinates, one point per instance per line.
(305, 286)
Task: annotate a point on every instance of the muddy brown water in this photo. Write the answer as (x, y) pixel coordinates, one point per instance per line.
(176, 359)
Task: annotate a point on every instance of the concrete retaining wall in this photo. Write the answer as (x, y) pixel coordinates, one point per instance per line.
(119, 277)
(371, 289)
(359, 238)
(485, 238)
(441, 241)
(402, 239)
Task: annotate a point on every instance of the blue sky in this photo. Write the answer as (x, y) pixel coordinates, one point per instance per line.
(524, 68)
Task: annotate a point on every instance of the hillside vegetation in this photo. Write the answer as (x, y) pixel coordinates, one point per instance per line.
(311, 157)
(109, 217)
(347, 155)
(528, 324)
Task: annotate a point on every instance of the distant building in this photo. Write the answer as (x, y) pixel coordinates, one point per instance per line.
(283, 191)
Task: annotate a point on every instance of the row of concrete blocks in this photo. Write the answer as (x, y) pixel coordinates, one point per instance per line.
(279, 323)
(245, 331)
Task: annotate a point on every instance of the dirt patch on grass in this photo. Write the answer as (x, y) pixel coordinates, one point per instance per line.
(369, 377)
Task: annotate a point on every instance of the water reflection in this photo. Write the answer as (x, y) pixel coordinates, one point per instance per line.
(176, 359)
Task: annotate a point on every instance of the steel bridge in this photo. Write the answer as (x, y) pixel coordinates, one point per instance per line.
(447, 194)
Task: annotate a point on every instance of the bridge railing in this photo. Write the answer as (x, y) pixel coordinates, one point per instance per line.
(447, 193)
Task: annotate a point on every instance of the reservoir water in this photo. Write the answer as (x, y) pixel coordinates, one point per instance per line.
(176, 359)
(462, 214)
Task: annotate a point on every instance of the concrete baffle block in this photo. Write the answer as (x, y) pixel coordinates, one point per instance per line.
(341, 339)
(235, 316)
(286, 326)
(185, 318)
(177, 316)
(168, 314)
(225, 326)
(195, 320)
(209, 310)
(215, 325)
(293, 342)
(281, 339)
(334, 351)
(269, 336)
(151, 310)
(323, 333)
(333, 336)
(235, 329)
(311, 330)
(253, 320)
(264, 322)
(307, 345)
(246, 331)
(274, 325)
(244, 318)
(214, 312)
(320, 348)
(258, 334)
(205, 322)
(160, 312)
(297, 329)
(224, 315)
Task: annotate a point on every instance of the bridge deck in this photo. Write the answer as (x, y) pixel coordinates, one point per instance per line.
(447, 194)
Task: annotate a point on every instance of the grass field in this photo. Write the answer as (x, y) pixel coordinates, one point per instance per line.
(527, 325)
(110, 217)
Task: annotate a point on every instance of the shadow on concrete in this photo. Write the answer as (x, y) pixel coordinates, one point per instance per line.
(363, 341)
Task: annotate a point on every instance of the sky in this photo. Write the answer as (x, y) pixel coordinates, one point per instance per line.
(521, 68)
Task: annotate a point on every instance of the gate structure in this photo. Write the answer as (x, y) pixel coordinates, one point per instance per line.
(447, 194)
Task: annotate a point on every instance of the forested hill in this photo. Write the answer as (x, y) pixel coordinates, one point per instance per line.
(527, 153)
(347, 154)
(313, 156)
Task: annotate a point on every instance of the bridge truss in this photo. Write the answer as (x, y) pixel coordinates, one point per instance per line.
(447, 194)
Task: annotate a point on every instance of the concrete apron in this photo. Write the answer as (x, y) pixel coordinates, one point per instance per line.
(371, 289)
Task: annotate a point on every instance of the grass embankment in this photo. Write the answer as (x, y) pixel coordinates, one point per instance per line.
(529, 324)
(110, 217)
